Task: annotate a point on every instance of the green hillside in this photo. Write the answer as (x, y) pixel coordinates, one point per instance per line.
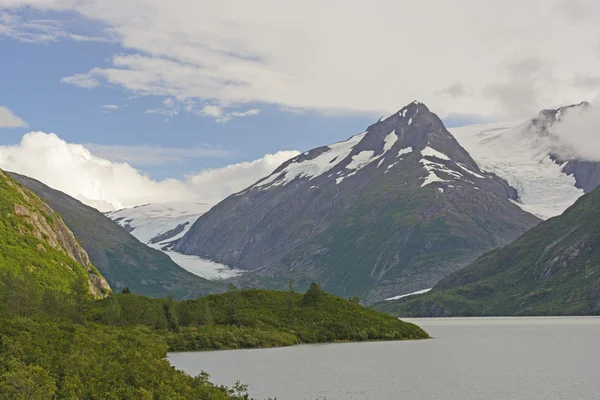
(121, 258)
(554, 269)
(34, 240)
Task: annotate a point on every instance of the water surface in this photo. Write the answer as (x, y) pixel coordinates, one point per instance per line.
(468, 359)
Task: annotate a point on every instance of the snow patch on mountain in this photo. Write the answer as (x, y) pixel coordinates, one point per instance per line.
(204, 268)
(316, 167)
(429, 152)
(409, 294)
(389, 140)
(361, 159)
(407, 150)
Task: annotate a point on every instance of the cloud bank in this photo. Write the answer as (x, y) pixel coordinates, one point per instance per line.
(491, 58)
(578, 133)
(10, 120)
(106, 185)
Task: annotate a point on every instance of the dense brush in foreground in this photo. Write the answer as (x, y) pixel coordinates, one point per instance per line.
(254, 318)
(64, 345)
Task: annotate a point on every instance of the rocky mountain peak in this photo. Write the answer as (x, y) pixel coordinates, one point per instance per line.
(392, 140)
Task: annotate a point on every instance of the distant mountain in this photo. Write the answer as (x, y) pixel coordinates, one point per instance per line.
(159, 225)
(554, 269)
(389, 211)
(122, 259)
(547, 173)
(35, 240)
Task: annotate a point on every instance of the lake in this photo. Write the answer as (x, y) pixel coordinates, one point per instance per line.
(469, 358)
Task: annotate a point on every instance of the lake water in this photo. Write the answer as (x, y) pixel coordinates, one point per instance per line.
(469, 358)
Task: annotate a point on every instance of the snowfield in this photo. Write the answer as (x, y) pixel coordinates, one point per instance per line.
(151, 220)
(521, 156)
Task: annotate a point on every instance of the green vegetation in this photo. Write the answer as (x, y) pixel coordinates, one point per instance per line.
(25, 246)
(49, 349)
(123, 260)
(55, 345)
(554, 269)
(253, 319)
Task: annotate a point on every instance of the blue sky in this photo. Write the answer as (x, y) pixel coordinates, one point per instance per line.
(32, 89)
(195, 88)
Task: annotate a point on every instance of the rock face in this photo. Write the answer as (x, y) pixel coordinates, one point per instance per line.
(120, 257)
(387, 212)
(554, 269)
(36, 219)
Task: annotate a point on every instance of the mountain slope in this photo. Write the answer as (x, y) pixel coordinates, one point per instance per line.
(122, 259)
(547, 173)
(387, 212)
(554, 269)
(34, 239)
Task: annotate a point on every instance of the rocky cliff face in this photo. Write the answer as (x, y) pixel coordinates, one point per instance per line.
(44, 224)
(387, 212)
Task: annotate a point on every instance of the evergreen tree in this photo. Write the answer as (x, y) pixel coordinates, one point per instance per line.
(185, 316)
(204, 315)
(172, 324)
(313, 295)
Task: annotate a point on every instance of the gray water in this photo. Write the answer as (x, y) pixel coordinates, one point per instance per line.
(469, 358)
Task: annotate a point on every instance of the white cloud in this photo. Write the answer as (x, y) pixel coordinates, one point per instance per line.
(353, 56)
(149, 155)
(107, 185)
(81, 80)
(10, 120)
(162, 111)
(221, 116)
(221, 182)
(111, 107)
(578, 133)
(40, 30)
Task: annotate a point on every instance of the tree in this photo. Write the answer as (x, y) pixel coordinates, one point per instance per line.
(26, 382)
(291, 301)
(185, 316)
(313, 295)
(172, 324)
(21, 294)
(126, 290)
(204, 315)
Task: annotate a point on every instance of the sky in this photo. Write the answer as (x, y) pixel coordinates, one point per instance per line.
(125, 102)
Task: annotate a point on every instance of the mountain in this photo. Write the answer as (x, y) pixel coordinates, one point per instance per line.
(534, 158)
(35, 240)
(122, 259)
(554, 269)
(389, 211)
(159, 225)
